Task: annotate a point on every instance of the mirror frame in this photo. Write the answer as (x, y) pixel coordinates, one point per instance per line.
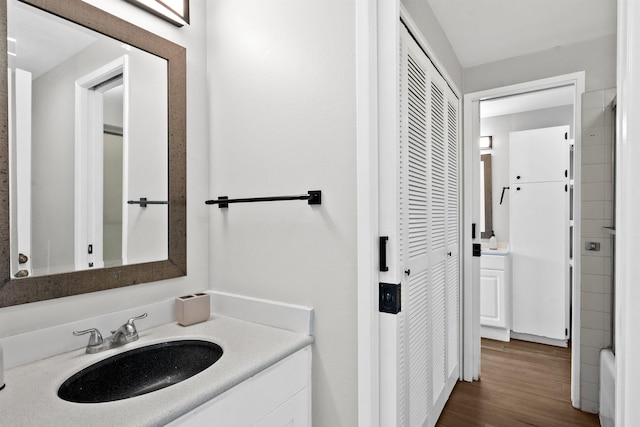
(14, 291)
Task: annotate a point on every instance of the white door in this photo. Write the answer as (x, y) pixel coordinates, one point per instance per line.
(539, 231)
(420, 344)
(539, 254)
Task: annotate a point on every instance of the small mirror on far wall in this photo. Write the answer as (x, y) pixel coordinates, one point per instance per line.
(486, 143)
(486, 207)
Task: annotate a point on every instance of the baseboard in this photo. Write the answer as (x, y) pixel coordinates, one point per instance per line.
(539, 339)
(498, 334)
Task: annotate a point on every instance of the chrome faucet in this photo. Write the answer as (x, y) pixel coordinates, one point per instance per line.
(124, 334)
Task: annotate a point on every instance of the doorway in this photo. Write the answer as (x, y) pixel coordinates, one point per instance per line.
(99, 162)
(472, 195)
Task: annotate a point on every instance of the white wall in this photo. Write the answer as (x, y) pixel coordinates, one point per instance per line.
(282, 115)
(38, 315)
(499, 127)
(597, 57)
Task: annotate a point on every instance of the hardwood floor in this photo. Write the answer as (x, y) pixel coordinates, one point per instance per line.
(521, 384)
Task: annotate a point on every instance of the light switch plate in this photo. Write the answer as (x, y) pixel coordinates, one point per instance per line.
(592, 246)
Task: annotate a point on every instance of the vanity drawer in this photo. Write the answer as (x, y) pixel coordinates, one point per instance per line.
(493, 262)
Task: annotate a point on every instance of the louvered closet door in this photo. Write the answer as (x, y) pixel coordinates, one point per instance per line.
(414, 339)
(428, 201)
(444, 218)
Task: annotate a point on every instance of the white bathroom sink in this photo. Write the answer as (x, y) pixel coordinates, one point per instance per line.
(140, 371)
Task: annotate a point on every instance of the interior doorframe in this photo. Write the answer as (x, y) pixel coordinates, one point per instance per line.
(88, 190)
(471, 317)
(368, 367)
(20, 148)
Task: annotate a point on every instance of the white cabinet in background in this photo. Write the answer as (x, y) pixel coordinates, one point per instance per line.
(279, 396)
(495, 307)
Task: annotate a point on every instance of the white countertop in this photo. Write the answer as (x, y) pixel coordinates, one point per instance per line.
(503, 249)
(30, 396)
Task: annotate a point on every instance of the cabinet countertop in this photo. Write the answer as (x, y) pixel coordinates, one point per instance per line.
(503, 249)
(30, 396)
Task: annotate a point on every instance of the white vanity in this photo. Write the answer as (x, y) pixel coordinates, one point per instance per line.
(495, 293)
(262, 379)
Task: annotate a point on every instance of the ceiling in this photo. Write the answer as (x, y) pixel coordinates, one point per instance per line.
(38, 43)
(482, 31)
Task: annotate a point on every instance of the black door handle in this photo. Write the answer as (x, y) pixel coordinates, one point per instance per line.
(383, 253)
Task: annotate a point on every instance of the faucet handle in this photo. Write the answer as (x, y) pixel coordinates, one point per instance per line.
(142, 316)
(94, 339)
(130, 327)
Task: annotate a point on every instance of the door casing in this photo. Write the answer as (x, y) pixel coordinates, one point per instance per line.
(471, 196)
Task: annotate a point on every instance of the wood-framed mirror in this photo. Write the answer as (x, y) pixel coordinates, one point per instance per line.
(91, 278)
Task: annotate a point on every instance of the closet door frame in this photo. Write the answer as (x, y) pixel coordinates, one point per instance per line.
(414, 388)
(377, 36)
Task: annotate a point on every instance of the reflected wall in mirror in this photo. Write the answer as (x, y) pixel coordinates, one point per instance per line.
(92, 114)
(486, 197)
(95, 109)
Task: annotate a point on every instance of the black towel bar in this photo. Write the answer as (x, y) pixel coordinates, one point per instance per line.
(143, 202)
(313, 198)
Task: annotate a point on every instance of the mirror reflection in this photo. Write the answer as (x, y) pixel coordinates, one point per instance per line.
(88, 143)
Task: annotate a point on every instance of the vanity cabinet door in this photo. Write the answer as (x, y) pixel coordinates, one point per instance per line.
(493, 306)
(279, 396)
(294, 412)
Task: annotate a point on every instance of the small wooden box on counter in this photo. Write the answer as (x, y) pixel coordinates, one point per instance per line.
(192, 309)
